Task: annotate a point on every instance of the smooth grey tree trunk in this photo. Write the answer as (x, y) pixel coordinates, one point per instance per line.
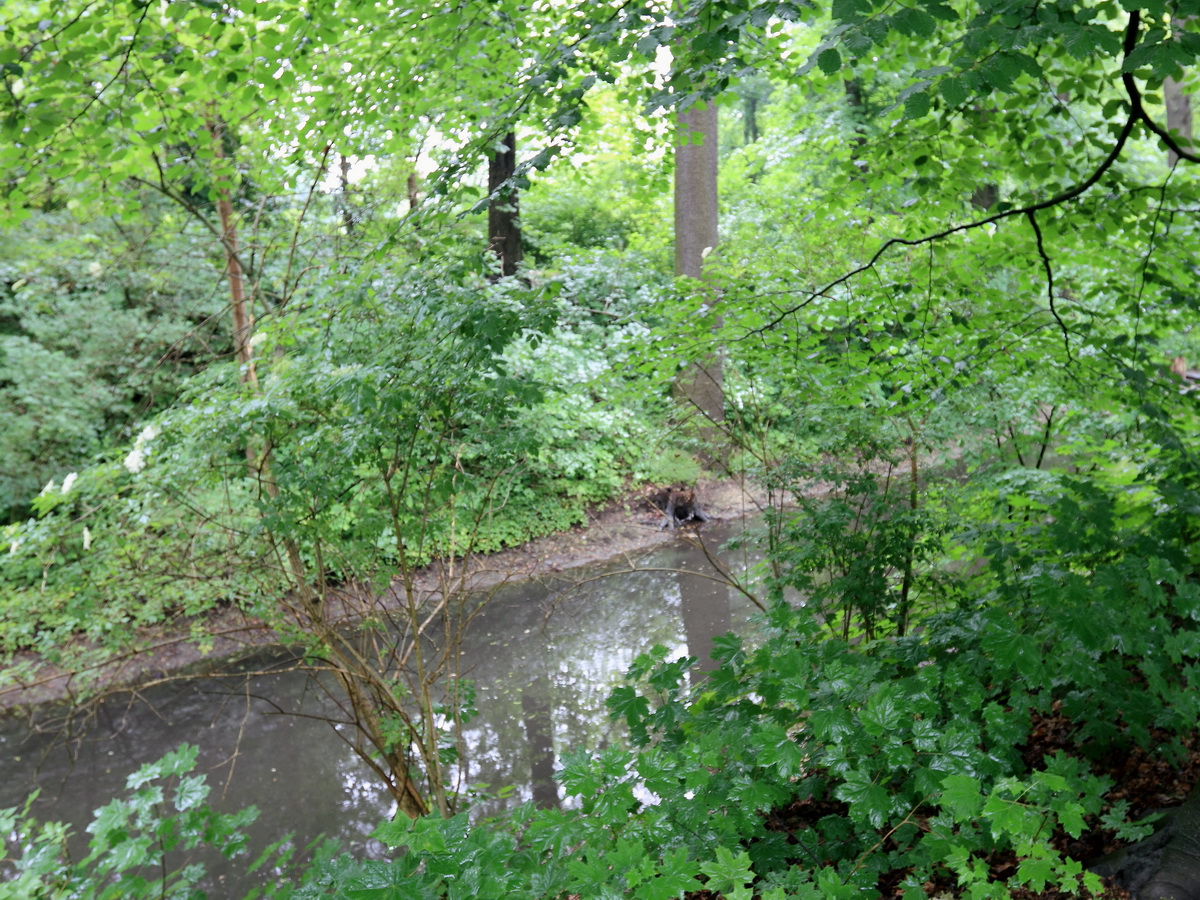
(700, 385)
(1178, 103)
(1179, 115)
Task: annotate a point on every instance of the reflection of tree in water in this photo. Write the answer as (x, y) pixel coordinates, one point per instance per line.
(536, 705)
(546, 664)
(706, 615)
(543, 665)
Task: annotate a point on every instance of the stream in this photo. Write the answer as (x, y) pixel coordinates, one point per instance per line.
(543, 662)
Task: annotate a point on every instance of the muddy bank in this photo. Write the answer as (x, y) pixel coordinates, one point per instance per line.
(630, 526)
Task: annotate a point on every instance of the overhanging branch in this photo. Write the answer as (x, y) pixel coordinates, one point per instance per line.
(1136, 113)
(1041, 246)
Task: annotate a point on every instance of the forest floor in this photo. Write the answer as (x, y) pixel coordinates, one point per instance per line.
(628, 526)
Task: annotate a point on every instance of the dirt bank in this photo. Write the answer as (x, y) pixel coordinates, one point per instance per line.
(629, 526)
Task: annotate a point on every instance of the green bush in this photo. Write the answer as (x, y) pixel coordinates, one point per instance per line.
(140, 844)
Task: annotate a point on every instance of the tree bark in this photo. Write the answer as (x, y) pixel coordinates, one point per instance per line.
(344, 196)
(538, 718)
(413, 197)
(858, 115)
(750, 118)
(243, 317)
(504, 230)
(985, 196)
(701, 383)
(1179, 107)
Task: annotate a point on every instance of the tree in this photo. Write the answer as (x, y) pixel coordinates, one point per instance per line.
(699, 384)
(1178, 103)
(504, 229)
(392, 428)
(159, 115)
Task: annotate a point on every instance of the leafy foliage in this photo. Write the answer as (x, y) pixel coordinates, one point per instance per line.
(944, 301)
(140, 845)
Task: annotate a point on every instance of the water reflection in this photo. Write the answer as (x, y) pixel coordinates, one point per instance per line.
(543, 661)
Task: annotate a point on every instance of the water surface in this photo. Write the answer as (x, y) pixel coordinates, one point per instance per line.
(543, 660)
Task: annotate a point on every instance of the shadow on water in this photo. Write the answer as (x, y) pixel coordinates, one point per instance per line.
(543, 661)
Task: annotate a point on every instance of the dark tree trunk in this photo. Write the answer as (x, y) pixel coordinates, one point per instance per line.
(504, 229)
(858, 115)
(344, 197)
(985, 196)
(539, 731)
(414, 198)
(706, 615)
(750, 119)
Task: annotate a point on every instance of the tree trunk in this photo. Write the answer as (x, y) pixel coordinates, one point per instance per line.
(504, 230)
(700, 384)
(243, 318)
(413, 197)
(538, 717)
(1179, 107)
(858, 116)
(344, 197)
(986, 195)
(750, 119)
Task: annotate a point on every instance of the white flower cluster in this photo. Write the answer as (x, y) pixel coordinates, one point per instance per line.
(136, 460)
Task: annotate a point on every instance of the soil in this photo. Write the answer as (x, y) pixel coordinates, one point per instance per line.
(631, 526)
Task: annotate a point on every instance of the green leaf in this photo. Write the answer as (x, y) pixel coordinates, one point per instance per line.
(953, 91)
(778, 750)
(882, 714)
(191, 792)
(1070, 816)
(868, 801)
(963, 796)
(728, 874)
(830, 60)
(916, 105)
(1036, 872)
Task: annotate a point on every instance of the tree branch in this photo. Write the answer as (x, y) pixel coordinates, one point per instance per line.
(1041, 246)
(1135, 115)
